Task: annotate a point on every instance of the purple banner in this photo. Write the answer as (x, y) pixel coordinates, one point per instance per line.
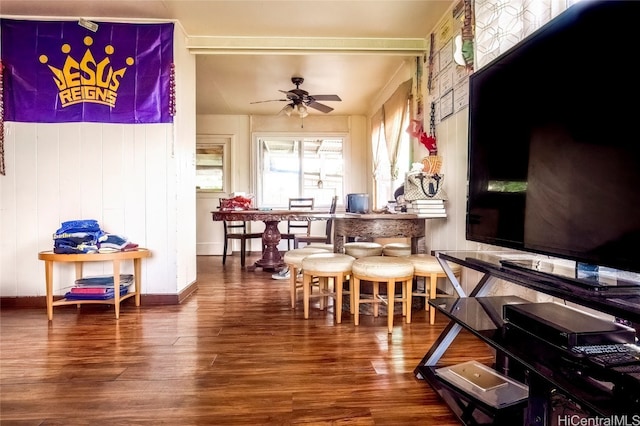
(58, 71)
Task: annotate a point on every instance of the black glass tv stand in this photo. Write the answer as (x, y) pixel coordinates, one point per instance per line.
(556, 383)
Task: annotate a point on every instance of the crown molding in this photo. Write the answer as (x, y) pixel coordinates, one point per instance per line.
(307, 45)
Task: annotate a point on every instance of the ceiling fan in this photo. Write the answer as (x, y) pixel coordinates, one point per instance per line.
(298, 100)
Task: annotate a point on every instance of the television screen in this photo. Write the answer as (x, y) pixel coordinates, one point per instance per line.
(554, 140)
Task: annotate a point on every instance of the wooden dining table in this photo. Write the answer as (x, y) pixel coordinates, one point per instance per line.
(271, 258)
(346, 226)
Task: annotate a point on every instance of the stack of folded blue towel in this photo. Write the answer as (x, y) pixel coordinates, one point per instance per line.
(85, 236)
(77, 236)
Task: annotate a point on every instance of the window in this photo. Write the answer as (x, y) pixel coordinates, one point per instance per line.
(212, 159)
(299, 167)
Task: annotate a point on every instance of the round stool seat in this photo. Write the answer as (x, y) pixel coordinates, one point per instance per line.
(293, 259)
(325, 246)
(328, 262)
(295, 256)
(363, 249)
(382, 267)
(425, 264)
(396, 249)
(325, 266)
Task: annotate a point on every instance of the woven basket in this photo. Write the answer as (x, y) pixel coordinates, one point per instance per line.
(432, 164)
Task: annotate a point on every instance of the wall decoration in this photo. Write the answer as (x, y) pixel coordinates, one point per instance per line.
(446, 55)
(446, 105)
(449, 88)
(444, 33)
(463, 54)
(461, 96)
(498, 25)
(430, 64)
(435, 92)
(172, 91)
(2, 170)
(60, 71)
(460, 75)
(446, 79)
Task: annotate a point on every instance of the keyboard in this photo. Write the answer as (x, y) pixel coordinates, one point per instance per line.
(609, 355)
(633, 369)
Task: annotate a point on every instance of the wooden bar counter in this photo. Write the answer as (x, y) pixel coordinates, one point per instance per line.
(371, 225)
(136, 256)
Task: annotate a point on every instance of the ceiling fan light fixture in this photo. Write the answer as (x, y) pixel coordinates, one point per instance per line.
(288, 110)
(302, 111)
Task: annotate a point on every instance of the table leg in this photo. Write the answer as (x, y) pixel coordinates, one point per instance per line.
(271, 258)
(78, 270)
(116, 287)
(418, 244)
(338, 243)
(78, 276)
(137, 271)
(48, 278)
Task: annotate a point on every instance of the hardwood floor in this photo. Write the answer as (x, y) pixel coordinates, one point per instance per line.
(234, 353)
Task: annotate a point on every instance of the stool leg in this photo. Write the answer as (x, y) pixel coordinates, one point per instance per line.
(356, 299)
(376, 300)
(349, 278)
(408, 285)
(306, 289)
(391, 284)
(292, 283)
(427, 286)
(328, 283)
(405, 305)
(337, 288)
(432, 295)
(322, 284)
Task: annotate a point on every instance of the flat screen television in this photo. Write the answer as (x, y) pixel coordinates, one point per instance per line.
(554, 140)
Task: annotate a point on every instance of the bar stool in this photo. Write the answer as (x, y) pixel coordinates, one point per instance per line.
(396, 249)
(360, 249)
(428, 267)
(386, 270)
(324, 266)
(363, 249)
(293, 259)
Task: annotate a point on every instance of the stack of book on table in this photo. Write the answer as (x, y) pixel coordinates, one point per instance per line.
(99, 287)
(427, 208)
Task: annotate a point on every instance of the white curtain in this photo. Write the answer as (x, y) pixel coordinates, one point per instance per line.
(500, 24)
(394, 111)
(377, 140)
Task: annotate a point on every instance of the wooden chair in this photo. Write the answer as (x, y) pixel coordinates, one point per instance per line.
(318, 239)
(296, 226)
(238, 231)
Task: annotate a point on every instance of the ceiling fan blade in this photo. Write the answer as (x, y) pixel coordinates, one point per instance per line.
(291, 95)
(325, 97)
(319, 106)
(271, 100)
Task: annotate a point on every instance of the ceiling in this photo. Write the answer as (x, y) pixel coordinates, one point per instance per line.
(247, 51)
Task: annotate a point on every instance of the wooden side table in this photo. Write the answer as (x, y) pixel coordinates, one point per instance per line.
(50, 257)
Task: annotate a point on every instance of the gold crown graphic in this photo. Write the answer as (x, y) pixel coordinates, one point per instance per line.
(87, 80)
